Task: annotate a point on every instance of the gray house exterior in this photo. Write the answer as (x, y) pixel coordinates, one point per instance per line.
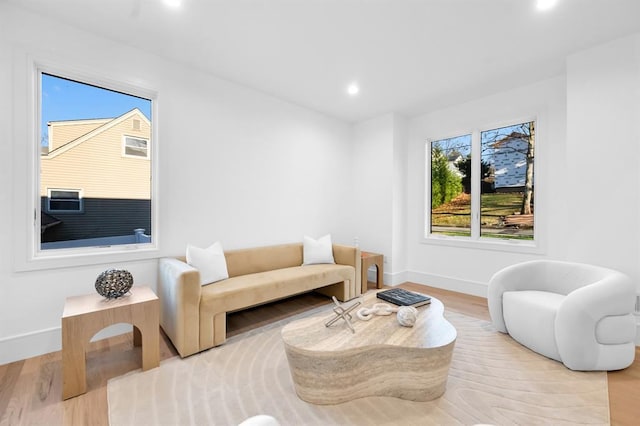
(510, 162)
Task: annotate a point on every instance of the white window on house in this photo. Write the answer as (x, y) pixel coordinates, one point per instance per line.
(64, 201)
(135, 147)
(480, 185)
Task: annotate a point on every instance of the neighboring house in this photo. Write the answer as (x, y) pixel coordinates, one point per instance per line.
(510, 162)
(453, 159)
(95, 178)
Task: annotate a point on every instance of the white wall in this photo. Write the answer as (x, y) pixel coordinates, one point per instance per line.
(398, 266)
(380, 191)
(469, 269)
(373, 178)
(235, 166)
(603, 146)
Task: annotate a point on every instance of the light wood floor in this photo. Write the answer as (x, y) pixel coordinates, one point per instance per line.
(30, 390)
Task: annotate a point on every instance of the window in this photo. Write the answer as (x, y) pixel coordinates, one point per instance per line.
(86, 142)
(506, 203)
(450, 186)
(64, 200)
(136, 147)
(481, 185)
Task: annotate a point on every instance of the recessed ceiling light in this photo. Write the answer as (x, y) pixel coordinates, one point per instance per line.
(353, 89)
(546, 4)
(174, 4)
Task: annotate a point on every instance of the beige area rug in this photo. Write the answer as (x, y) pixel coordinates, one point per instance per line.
(492, 380)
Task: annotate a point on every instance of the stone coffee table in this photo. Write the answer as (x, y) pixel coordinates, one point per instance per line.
(331, 365)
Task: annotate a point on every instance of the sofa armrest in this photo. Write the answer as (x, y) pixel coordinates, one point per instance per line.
(348, 255)
(581, 311)
(179, 293)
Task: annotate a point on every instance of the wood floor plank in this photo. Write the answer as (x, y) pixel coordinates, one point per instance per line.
(624, 394)
(17, 407)
(9, 376)
(30, 390)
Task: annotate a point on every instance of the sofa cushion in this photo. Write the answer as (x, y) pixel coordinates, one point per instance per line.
(210, 262)
(317, 251)
(253, 289)
(530, 316)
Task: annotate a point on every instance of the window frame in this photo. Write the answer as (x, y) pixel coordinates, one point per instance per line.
(57, 211)
(476, 241)
(139, 157)
(27, 207)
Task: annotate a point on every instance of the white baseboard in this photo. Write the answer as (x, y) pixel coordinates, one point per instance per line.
(439, 281)
(28, 345)
(637, 329)
(396, 278)
(448, 283)
(391, 279)
(22, 346)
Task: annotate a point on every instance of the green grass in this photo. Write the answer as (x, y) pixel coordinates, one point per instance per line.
(457, 214)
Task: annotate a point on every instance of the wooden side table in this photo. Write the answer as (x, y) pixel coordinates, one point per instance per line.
(84, 316)
(369, 259)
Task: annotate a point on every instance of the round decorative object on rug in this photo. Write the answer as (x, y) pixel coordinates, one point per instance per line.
(114, 283)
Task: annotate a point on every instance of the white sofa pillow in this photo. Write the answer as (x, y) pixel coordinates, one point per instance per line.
(210, 262)
(317, 251)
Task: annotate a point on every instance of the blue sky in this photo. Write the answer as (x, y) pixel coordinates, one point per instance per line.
(462, 144)
(64, 99)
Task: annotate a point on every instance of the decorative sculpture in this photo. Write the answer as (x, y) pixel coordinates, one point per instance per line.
(365, 314)
(114, 283)
(406, 316)
(342, 313)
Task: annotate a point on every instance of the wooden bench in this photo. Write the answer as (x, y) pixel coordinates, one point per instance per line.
(519, 221)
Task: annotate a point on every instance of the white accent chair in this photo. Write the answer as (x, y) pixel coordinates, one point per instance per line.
(260, 420)
(578, 314)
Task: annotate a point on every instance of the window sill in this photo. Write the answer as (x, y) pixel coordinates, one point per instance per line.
(87, 256)
(511, 246)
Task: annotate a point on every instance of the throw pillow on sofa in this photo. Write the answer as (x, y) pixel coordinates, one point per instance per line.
(210, 262)
(317, 251)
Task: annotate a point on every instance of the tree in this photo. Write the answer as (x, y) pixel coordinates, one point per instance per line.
(528, 183)
(464, 166)
(445, 183)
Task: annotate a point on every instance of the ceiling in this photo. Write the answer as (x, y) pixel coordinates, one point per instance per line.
(408, 56)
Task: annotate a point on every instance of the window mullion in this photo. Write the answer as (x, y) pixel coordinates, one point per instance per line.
(476, 156)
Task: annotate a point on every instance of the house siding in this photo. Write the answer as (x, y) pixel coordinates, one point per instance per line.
(116, 189)
(511, 165)
(116, 177)
(101, 217)
(61, 133)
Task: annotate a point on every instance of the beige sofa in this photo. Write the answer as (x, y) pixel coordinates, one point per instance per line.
(194, 316)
